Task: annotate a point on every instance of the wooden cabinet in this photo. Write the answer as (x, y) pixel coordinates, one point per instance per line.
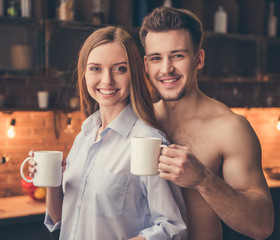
(63, 42)
(232, 56)
(52, 46)
(21, 46)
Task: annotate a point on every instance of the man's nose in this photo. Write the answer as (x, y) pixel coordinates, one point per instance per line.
(107, 78)
(167, 66)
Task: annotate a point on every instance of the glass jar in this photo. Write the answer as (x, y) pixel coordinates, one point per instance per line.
(13, 9)
(66, 10)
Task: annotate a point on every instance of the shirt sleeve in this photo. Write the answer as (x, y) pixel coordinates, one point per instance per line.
(49, 223)
(167, 209)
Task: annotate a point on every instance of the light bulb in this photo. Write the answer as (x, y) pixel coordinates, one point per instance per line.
(69, 127)
(278, 124)
(11, 133)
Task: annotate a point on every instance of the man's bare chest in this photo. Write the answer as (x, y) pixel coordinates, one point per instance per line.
(202, 142)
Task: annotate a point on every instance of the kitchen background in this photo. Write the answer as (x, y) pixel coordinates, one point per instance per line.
(241, 69)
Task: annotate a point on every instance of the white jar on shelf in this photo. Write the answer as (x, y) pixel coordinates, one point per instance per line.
(25, 8)
(220, 21)
(271, 22)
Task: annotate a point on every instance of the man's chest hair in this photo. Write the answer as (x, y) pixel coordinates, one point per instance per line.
(202, 144)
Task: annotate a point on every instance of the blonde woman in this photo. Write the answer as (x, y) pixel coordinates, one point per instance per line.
(100, 198)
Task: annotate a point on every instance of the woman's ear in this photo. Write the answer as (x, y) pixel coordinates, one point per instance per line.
(200, 59)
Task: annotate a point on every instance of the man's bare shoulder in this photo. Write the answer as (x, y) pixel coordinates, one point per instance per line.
(226, 120)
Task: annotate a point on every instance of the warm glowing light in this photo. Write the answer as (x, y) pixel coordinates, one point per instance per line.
(69, 127)
(278, 124)
(11, 133)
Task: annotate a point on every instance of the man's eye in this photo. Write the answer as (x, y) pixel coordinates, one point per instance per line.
(120, 69)
(154, 58)
(178, 56)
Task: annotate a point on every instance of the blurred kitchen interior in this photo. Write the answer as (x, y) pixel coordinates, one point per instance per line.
(38, 52)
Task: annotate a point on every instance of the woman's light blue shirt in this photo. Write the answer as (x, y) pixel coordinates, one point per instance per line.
(103, 200)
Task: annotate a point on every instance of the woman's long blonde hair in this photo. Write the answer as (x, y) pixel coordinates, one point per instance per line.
(139, 94)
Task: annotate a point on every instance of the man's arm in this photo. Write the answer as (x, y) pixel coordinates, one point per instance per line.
(242, 199)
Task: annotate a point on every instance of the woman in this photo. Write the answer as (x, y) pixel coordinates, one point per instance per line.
(100, 198)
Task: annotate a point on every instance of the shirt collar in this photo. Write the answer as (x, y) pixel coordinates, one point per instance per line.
(122, 124)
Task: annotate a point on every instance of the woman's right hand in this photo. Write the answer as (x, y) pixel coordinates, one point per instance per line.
(32, 165)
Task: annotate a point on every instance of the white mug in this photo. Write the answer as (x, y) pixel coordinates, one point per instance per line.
(43, 99)
(145, 152)
(48, 168)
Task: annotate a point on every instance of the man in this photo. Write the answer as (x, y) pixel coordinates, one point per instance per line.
(218, 156)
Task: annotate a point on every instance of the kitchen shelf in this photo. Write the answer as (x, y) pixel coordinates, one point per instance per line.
(22, 46)
(231, 56)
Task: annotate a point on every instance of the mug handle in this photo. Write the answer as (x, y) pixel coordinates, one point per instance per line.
(21, 170)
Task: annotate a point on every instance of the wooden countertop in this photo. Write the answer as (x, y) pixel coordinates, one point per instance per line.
(20, 206)
(272, 183)
(24, 206)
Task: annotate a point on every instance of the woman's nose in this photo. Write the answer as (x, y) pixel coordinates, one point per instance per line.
(107, 78)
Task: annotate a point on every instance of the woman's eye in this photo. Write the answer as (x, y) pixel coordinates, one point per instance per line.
(93, 68)
(120, 69)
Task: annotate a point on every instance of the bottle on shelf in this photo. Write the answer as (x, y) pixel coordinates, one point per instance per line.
(66, 10)
(13, 9)
(271, 21)
(167, 3)
(220, 21)
(25, 7)
(1, 7)
(97, 12)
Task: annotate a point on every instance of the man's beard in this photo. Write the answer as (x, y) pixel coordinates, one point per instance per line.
(180, 95)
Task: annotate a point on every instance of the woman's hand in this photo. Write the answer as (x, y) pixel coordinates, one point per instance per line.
(32, 165)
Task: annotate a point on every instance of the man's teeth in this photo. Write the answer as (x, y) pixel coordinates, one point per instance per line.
(169, 81)
(108, 92)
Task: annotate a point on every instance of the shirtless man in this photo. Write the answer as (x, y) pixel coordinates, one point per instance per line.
(217, 155)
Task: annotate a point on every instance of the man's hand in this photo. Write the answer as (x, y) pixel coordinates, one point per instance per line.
(179, 165)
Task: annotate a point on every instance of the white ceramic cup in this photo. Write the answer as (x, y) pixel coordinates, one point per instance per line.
(43, 99)
(145, 152)
(48, 166)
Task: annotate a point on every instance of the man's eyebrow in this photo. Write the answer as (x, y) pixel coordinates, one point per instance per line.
(180, 50)
(172, 52)
(153, 54)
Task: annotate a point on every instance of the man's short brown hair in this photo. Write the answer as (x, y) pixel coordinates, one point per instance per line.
(165, 19)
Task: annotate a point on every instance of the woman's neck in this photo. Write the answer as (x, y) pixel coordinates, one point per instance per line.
(108, 115)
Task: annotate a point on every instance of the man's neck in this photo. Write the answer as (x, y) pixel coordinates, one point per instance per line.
(185, 107)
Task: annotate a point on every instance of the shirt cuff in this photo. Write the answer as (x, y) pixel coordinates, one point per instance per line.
(154, 233)
(49, 223)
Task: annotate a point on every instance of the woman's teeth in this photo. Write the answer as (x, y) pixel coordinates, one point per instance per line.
(107, 92)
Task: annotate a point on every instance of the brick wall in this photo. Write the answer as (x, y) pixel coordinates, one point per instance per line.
(35, 130)
(264, 122)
